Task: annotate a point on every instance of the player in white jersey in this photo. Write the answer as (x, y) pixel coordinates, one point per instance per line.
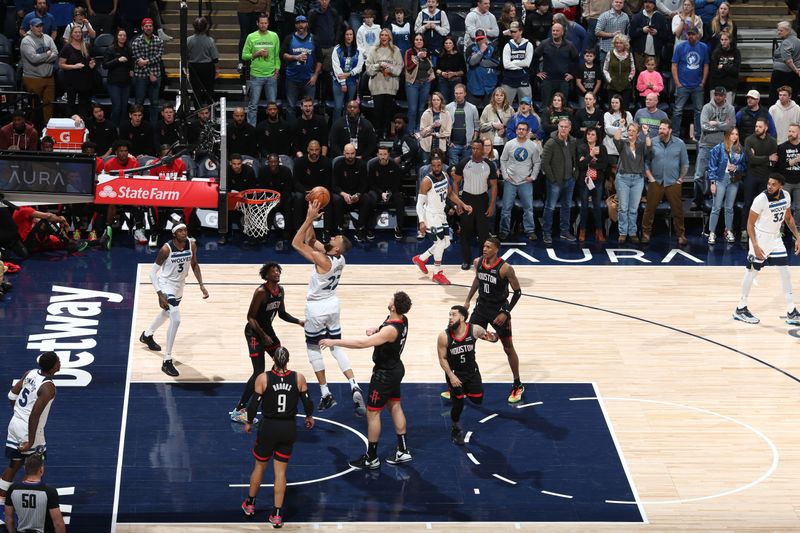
(31, 398)
(769, 211)
(434, 190)
(322, 305)
(168, 277)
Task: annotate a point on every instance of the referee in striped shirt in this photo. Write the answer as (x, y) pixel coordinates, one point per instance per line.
(35, 503)
(476, 178)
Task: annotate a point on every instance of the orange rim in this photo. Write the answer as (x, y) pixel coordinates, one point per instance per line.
(243, 196)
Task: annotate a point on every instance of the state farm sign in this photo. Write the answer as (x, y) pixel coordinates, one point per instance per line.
(155, 192)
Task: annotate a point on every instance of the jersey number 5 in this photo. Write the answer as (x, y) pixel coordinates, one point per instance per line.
(23, 397)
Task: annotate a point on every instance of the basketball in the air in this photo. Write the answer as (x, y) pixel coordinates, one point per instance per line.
(319, 194)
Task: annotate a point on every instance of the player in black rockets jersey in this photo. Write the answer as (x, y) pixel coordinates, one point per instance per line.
(278, 392)
(268, 301)
(456, 347)
(493, 276)
(388, 341)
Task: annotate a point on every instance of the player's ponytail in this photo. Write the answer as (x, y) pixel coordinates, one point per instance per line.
(281, 358)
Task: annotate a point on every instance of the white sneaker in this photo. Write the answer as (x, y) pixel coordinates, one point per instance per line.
(712, 238)
(139, 236)
(163, 36)
(729, 236)
(399, 457)
(153, 241)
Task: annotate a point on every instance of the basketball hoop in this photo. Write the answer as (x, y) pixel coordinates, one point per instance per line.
(255, 205)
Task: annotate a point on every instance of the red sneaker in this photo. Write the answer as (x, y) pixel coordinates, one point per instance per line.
(440, 279)
(420, 263)
(276, 521)
(249, 510)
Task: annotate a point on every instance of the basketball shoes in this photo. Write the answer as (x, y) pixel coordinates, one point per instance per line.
(440, 278)
(365, 463)
(420, 263)
(399, 457)
(276, 521)
(743, 314)
(358, 401)
(249, 509)
(516, 393)
(327, 402)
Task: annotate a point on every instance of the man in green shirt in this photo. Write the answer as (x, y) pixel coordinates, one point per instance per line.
(262, 50)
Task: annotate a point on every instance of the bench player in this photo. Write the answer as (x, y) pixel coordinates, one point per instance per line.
(492, 278)
(456, 348)
(267, 301)
(322, 305)
(768, 213)
(168, 276)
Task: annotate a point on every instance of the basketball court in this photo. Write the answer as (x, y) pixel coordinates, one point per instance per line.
(647, 408)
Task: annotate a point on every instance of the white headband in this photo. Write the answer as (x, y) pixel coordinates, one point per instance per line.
(177, 227)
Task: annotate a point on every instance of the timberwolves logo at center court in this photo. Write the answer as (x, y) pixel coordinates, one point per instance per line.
(520, 154)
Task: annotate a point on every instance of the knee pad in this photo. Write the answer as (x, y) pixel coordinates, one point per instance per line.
(315, 357)
(341, 358)
(752, 264)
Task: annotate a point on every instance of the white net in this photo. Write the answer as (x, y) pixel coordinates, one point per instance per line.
(255, 205)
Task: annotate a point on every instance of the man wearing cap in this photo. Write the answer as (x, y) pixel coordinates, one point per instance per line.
(38, 54)
(649, 35)
(39, 13)
(302, 63)
(517, 56)
(747, 116)
(689, 72)
(524, 114)
(559, 58)
(480, 18)
(786, 61)
(146, 51)
(717, 117)
(262, 50)
(482, 70)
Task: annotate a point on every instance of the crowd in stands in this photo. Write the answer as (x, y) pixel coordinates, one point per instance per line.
(571, 102)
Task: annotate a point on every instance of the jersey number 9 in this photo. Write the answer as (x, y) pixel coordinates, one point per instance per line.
(281, 403)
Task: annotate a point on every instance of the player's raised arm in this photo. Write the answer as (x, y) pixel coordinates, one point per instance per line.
(301, 244)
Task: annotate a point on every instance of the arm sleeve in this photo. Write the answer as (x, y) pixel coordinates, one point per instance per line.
(154, 276)
(422, 200)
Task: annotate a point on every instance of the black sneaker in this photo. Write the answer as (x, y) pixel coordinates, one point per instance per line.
(793, 318)
(398, 234)
(365, 463)
(503, 236)
(465, 266)
(150, 342)
(360, 236)
(326, 402)
(743, 314)
(456, 436)
(370, 235)
(169, 369)
(358, 402)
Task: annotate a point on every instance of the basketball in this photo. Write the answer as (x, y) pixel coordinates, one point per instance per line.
(319, 194)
